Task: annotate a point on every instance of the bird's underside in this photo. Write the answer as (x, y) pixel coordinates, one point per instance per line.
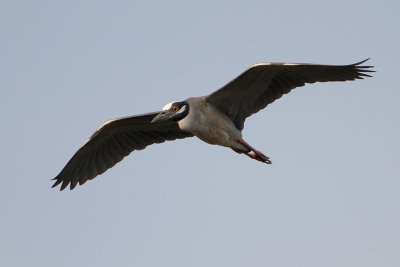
(250, 92)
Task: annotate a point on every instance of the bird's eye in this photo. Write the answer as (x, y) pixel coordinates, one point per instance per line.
(175, 109)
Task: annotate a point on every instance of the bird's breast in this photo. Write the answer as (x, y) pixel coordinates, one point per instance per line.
(211, 126)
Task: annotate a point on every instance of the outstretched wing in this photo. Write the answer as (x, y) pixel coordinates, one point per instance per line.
(113, 141)
(263, 83)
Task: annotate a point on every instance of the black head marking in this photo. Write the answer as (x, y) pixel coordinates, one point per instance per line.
(180, 110)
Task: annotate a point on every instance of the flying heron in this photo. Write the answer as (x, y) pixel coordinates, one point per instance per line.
(217, 119)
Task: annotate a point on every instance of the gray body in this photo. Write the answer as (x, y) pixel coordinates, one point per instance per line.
(210, 125)
(216, 119)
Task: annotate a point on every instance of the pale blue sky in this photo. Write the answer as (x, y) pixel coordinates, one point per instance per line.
(330, 198)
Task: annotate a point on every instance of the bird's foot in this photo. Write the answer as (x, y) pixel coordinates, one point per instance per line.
(254, 153)
(257, 155)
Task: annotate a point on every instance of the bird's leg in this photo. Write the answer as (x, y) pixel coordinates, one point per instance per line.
(254, 153)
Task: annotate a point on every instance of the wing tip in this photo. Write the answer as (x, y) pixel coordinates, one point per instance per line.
(362, 71)
(57, 182)
(64, 183)
(361, 62)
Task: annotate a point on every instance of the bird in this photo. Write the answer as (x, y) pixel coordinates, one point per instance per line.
(217, 119)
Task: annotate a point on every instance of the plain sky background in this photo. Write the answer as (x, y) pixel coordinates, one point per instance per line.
(330, 198)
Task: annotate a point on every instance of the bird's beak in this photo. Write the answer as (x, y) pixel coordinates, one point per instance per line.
(163, 116)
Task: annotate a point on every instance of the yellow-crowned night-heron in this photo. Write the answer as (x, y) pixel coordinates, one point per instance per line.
(217, 119)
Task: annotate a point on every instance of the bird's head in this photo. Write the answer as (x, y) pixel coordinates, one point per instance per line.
(174, 111)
